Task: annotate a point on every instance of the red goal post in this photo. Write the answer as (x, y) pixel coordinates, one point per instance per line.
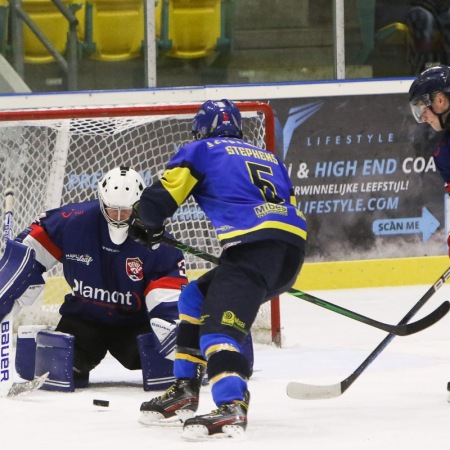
(56, 156)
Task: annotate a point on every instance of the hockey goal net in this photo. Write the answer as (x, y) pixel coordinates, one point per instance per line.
(53, 157)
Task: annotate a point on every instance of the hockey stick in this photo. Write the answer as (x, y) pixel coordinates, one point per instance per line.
(305, 391)
(402, 329)
(9, 201)
(6, 324)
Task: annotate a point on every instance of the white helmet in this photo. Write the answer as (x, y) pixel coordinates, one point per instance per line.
(118, 190)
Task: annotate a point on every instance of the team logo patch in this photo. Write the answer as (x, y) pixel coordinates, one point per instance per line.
(230, 319)
(83, 259)
(134, 269)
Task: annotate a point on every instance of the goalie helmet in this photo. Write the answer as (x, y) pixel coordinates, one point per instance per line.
(118, 190)
(430, 81)
(217, 119)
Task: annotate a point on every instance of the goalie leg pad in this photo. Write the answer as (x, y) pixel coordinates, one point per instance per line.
(26, 349)
(20, 276)
(157, 370)
(54, 354)
(164, 337)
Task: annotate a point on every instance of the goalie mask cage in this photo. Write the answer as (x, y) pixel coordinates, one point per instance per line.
(56, 156)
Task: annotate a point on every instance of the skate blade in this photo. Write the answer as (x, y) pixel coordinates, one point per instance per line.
(198, 433)
(156, 419)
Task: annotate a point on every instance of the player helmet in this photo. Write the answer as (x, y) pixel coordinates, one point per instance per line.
(118, 190)
(429, 82)
(217, 119)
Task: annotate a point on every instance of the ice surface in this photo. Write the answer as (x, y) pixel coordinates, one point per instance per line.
(399, 402)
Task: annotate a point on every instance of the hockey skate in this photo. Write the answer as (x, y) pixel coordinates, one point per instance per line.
(177, 404)
(228, 421)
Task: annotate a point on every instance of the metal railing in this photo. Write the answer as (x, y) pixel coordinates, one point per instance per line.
(69, 62)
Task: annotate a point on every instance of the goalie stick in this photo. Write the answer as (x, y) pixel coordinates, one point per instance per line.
(303, 391)
(27, 386)
(6, 324)
(6, 328)
(402, 329)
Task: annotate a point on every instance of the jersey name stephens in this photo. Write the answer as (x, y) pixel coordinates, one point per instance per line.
(102, 294)
(251, 152)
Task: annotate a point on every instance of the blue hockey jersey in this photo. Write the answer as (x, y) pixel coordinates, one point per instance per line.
(441, 156)
(112, 284)
(245, 192)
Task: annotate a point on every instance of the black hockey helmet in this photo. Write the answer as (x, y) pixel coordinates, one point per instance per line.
(429, 82)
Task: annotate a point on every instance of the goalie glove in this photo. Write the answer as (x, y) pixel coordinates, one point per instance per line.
(149, 237)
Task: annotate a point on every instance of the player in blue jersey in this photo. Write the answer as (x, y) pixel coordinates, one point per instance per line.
(429, 97)
(246, 193)
(123, 297)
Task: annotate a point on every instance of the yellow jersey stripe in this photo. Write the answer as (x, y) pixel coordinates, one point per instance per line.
(189, 319)
(191, 358)
(223, 375)
(269, 224)
(218, 347)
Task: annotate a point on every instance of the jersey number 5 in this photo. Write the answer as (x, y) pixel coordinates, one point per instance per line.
(261, 176)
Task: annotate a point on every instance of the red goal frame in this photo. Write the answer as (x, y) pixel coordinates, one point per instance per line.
(55, 113)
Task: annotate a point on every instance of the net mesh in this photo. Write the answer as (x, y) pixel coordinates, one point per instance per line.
(51, 162)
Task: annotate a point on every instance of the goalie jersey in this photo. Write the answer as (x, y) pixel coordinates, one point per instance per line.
(216, 172)
(112, 284)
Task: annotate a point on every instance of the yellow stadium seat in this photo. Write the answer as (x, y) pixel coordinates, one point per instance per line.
(117, 29)
(52, 24)
(193, 28)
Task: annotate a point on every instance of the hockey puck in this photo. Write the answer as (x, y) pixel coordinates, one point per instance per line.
(104, 403)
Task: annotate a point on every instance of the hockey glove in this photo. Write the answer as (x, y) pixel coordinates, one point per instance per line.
(149, 237)
(448, 244)
(138, 234)
(154, 237)
(136, 230)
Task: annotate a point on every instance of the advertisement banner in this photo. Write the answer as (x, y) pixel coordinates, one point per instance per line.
(364, 176)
